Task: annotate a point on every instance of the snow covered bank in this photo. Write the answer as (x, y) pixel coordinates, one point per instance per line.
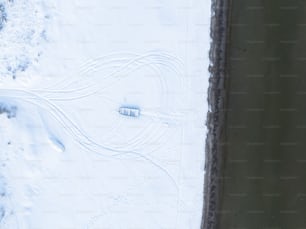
(73, 155)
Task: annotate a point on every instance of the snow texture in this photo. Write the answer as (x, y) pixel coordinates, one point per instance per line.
(102, 112)
(3, 15)
(22, 26)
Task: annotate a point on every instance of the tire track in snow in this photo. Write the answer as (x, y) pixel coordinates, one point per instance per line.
(45, 101)
(123, 67)
(78, 135)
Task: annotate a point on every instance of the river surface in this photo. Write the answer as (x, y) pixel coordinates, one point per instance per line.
(264, 161)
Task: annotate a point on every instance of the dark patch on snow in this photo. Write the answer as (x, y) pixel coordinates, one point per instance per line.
(2, 187)
(2, 213)
(3, 16)
(9, 110)
(21, 64)
(43, 35)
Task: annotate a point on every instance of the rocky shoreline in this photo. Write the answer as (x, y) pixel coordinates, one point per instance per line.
(216, 114)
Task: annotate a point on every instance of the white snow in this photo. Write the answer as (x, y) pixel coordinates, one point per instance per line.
(69, 158)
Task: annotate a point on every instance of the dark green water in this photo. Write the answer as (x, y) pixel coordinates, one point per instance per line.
(264, 172)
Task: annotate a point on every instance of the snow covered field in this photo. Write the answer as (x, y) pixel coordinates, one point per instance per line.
(103, 107)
